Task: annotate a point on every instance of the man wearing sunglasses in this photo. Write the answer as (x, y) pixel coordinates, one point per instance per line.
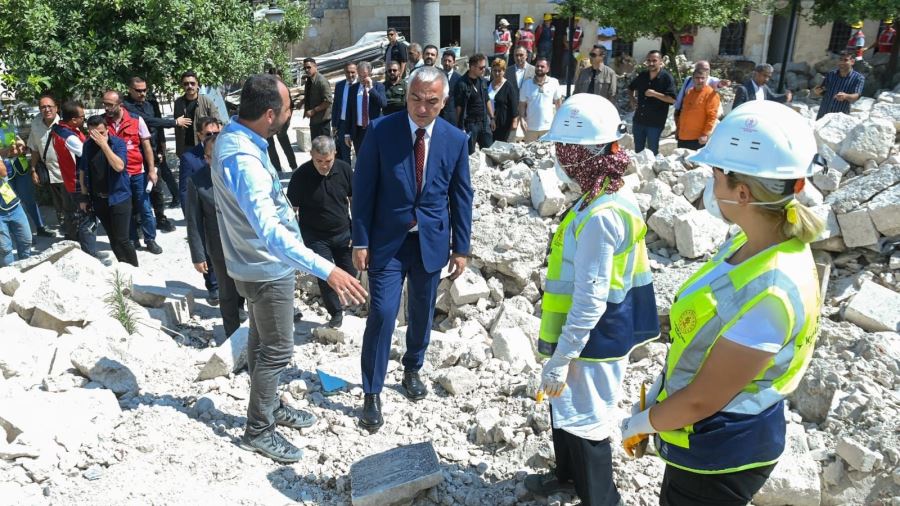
(317, 100)
(193, 106)
(598, 78)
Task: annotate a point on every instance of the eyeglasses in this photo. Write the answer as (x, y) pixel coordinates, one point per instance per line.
(141, 91)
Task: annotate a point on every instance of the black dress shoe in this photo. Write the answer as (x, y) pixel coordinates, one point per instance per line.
(336, 320)
(415, 389)
(371, 413)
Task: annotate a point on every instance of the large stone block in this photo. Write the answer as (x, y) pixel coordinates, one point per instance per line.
(860, 190)
(874, 308)
(511, 317)
(500, 152)
(857, 229)
(230, 357)
(857, 455)
(694, 181)
(546, 197)
(663, 221)
(49, 301)
(512, 346)
(832, 129)
(887, 110)
(642, 165)
(395, 476)
(826, 214)
(698, 233)
(350, 331)
(795, 479)
(50, 255)
(469, 288)
(884, 210)
(832, 160)
(870, 140)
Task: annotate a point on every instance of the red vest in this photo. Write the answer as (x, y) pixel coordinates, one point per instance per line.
(526, 39)
(576, 41)
(502, 37)
(886, 40)
(67, 161)
(130, 133)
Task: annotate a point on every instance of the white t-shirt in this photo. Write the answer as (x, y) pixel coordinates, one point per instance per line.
(762, 327)
(606, 31)
(540, 102)
(37, 141)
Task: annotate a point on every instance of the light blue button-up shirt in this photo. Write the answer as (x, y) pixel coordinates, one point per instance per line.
(260, 236)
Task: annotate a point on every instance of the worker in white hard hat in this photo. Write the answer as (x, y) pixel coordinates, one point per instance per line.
(598, 301)
(744, 326)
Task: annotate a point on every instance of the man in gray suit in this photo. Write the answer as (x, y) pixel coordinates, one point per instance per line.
(522, 70)
(756, 88)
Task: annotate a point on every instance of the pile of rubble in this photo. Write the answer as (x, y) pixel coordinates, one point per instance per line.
(93, 413)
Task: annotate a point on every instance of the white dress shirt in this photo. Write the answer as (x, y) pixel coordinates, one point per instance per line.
(760, 91)
(427, 139)
(347, 86)
(359, 106)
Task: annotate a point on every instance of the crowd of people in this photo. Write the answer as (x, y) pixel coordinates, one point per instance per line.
(403, 212)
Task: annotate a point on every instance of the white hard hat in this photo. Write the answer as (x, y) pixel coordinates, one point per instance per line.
(586, 118)
(762, 138)
(504, 22)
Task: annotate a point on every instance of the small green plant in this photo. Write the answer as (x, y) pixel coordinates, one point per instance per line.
(119, 306)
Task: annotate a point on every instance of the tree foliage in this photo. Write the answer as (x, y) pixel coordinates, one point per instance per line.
(848, 11)
(82, 47)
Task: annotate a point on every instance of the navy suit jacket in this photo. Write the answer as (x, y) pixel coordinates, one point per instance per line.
(190, 162)
(385, 200)
(336, 106)
(377, 101)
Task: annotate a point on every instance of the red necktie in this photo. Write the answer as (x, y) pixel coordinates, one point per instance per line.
(419, 148)
(365, 108)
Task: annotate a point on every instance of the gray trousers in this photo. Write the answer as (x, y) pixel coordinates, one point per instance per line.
(270, 346)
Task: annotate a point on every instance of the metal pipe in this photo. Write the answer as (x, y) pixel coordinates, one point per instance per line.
(568, 61)
(789, 44)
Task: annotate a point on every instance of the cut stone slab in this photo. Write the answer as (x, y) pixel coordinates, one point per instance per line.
(698, 233)
(230, 357)
(860, 190)
(857, 229)
(546, 197)
(350, 331)
(85, 271)
(50, 255)
(832, 129)
(469, 288)
(832, 160)
(663, 221)
(874, 308)
(858, 456)
(48, 301)
(884, 210)
(458, 380)
(395, 476)
(870, 140)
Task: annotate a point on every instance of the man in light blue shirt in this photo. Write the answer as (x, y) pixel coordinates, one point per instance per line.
(263, 247)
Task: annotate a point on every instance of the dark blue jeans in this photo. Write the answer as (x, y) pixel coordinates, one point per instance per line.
(646, 136)
(15, 235)
(140, 205)
(24, 188)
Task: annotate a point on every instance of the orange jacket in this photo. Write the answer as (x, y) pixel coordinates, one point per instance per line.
(699, 112)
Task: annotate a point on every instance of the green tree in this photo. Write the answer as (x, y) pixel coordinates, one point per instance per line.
(847, 11)
(82, 47)
(665, 19)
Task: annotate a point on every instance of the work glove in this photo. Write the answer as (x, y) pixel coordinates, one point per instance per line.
(553, 376)
(636, 430)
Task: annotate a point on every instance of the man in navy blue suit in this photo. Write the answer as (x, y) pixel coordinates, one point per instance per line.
(412, 208)
(339, 110)
(366, 100)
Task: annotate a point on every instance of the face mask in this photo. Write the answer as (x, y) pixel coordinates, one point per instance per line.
(710, 202)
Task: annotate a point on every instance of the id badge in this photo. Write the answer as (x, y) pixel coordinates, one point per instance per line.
(7, 193)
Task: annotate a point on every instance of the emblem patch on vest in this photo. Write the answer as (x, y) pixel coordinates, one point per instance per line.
(687, 322)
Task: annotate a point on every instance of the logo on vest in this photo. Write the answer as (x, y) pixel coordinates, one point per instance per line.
(687, 322)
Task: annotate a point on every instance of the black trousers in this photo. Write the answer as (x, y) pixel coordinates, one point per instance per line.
(230, 301)
(358, 135)
(116, 220)
(479, 133)
(587, 464)
(694, 144)
(286, 146)
(157, 199)
(684, 488)
(334, 247)
(323, 128)
(65, 210)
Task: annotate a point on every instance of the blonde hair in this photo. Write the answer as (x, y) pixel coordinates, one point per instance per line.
(807, 226)
(499, 62)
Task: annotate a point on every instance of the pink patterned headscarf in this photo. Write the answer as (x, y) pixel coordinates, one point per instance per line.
(590, 168)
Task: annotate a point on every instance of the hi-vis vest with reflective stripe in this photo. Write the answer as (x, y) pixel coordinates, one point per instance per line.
(749, 431)
(630, 318)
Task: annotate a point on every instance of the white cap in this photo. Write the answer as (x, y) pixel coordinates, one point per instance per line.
(504, 22)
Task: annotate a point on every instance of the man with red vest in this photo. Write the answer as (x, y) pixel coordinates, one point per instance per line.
(885, 41)
(571, 55)
(525, 37)
(857, 43)
(139, 155)
(502, 40)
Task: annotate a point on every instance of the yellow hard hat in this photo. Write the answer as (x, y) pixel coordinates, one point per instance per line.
(889, 21)
(529, 19)
(857, 25)
(548, 16)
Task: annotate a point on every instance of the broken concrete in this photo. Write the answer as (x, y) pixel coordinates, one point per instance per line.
(458, 380)
(857, 228)
(698, 233)
(230, 357)
(875, 308)
(395, 476)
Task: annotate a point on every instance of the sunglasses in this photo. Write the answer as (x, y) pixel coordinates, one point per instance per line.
(209, 135)
(142, 90)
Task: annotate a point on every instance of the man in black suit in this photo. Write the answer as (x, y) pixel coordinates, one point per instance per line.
(448, 63)
(339, 110)
(756, 88)
(365, 103)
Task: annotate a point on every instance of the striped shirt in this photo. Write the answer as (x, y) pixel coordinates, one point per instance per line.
(851, 84)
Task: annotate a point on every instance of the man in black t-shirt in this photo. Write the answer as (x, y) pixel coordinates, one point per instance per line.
(320, 192)
(652, 91)
(396, 52)
(474, 111)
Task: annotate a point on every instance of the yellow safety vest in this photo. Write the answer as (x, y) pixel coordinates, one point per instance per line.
(749, 431)
(630, 318)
